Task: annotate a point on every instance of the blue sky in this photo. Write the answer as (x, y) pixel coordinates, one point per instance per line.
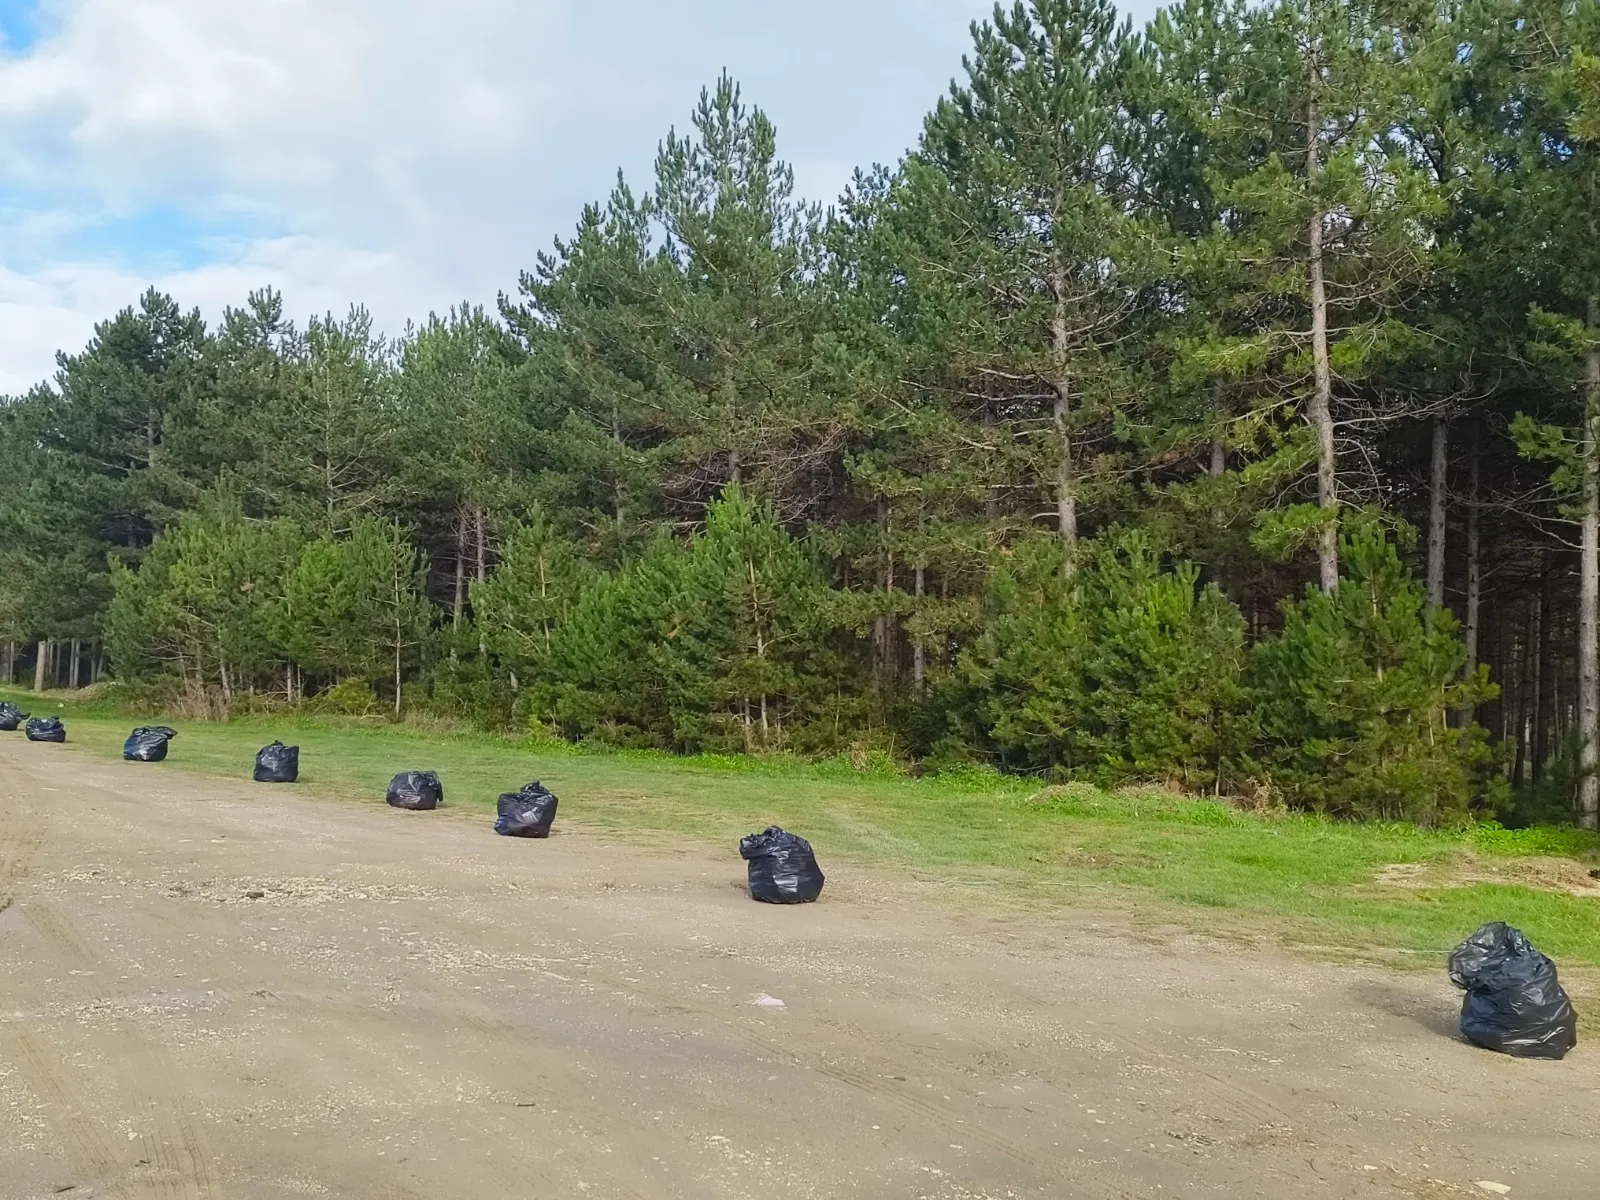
(404, 154)
(19, 21)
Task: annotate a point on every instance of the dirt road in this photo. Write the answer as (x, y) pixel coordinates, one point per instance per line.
(211, 989)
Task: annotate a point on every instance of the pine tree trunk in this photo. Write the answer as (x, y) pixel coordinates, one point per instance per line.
(1436, 515)
(730, 413)
(761, 643)
(880, 624)
(1558, 688)
(891, 640)
(618, 495)
(1066, 499)
(1061, 384)
(10, 663)
(1474, 556)
(41, 665)
(1321, 410)
(544, 600)
(1589, 593)
(1218, 467)
(919, 657)
(397, 598)
(460, 601)
(75, 665)
(1497, 623)
(483, 570)
(991, 494)
(1544, 676)
(483, 544)
(1527, 690)
(1517, 664)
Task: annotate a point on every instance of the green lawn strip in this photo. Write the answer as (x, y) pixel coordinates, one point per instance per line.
(1304, 880)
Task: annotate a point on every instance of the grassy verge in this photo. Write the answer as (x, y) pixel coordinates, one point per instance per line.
(1392, 890)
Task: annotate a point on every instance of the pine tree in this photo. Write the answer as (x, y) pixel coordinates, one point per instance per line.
(1552, 136)
(1020, 189)
(599, 679)
(354, 608)
(328, 438)
(1356, 695)
(1131, 670)
(530, 595)
(205, 603)
(465, 446)
(713, 645)
(673, 333)
(597, 369)
(107, 415)
(750, 625)
(1317, 242)
(742, 311)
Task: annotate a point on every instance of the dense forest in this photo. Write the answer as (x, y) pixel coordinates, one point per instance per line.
(1213, 404)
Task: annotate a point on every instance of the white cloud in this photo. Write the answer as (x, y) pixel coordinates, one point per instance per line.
(58, 305)
(404, 154)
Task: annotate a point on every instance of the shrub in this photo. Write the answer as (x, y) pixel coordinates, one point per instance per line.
(1356, 695)
(1124, 670)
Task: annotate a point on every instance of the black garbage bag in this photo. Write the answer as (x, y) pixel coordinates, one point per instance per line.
(528, 813)
(148, 743)
(418, 791)
(783, 870)
(11, 717)
(278, 763)
(1514, 1002)
(46, 729)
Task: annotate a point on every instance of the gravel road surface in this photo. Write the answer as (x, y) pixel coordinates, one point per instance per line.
(214, 989)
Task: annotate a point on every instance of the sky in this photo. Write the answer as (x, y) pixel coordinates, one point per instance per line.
(401, 154)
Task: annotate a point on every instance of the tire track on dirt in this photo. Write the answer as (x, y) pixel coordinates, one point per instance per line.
(90, 1153)
(513, 1056)
(176, 1151)
(1087, 1181)
(1217, 1092)
(1211, 1095)
(173, 1150)
(22, 835)
(687, 1004)
(503, 1051)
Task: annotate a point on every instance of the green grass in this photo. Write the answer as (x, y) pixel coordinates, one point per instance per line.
(1306, 881)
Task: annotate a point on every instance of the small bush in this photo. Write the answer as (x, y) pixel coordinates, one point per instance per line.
(1355, 698)
(1126, 670)
(348, 698)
